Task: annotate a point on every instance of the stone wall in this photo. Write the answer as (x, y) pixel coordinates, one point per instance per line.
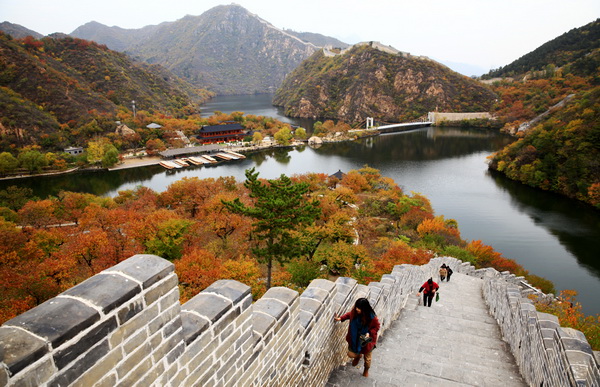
(546, 353)
(126, 327)
(436, 117)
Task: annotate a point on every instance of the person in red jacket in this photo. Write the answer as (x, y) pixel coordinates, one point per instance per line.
(362, 332)
(429, 288)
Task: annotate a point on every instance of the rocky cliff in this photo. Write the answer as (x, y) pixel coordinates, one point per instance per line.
(368, 81)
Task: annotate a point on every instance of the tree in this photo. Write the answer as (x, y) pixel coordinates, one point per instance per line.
(300, 133)
(283, 136)
(111, 156)
(8, 163)
(257, 137)
(15, 197)
(278, 210)
(33, 161)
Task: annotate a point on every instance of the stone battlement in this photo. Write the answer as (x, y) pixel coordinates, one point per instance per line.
(126, 327)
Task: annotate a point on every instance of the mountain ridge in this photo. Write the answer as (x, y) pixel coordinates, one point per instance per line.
(373, 80)
(226, 49)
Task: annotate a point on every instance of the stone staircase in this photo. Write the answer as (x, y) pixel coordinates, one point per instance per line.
(455, 342)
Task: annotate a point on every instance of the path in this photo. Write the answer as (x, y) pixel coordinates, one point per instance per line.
(455, 342)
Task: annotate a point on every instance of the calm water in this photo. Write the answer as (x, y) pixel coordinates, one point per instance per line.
(549, 235)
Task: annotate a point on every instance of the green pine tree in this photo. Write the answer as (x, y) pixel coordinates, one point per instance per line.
(279, 210)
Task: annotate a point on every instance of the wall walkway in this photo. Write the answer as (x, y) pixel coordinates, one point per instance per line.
(126, 327)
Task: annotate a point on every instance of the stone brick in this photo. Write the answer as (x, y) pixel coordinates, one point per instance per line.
(145, 268)
(57, 320)
(108, 381)
(136, 374)
(20, 348)
(233, 290)
(172, 327)
(224, 322)
(199, 354)
(79, 367)
(140, 321)
(162, 319)
(106, 291)
(209, 305)
(160, 289)
(193, 326)
(134, 342)
(103, 367)
(169, 300)
(159, 353)
(204, 371)
(175, 353)
(127, 312)
(155, 372)
(133, 360)
(66, 355)
(39, 374)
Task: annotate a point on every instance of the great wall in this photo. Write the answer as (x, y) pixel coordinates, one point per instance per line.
(126, 327)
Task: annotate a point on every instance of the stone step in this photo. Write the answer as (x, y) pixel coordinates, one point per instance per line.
(455, 342)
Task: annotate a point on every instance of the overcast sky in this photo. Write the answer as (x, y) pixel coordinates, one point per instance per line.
(482, 33)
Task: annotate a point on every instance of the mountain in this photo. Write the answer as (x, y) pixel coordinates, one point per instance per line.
(573, 46)
(115, 38)
(226, 49)
(372, 80)
(18, 31)
(52, 87)
(318, 39)
(561, 154)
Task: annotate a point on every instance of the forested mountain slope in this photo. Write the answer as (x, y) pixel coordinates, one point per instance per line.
(368, 82)
(50, 89)
(561, 150)
(572, 47)
(227, 49)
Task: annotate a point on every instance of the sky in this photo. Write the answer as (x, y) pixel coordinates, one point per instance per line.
(483, 34)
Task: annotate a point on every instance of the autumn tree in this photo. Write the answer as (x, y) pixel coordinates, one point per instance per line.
(300, 133)
(32, 160)
(283, 136)
(280, 207)
(8, 163)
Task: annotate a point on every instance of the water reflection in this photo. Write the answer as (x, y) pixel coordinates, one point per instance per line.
(576, 225)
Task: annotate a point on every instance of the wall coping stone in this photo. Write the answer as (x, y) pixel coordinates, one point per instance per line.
(20, 348)
(57, 320)
(106, 291)
(316, 294)
(284, 295)
(148, 269)
(209, 305)
(233, 290)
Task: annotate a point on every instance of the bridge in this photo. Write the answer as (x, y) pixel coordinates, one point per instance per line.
(384, 127)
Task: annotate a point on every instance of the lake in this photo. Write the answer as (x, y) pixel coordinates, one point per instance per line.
(549, 235)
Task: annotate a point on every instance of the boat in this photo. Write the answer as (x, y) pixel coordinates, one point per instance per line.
(170, 164)
(195, 160)
(165, 165)
(181, 162)
(238, 155)
(210, 159)
(223, 156)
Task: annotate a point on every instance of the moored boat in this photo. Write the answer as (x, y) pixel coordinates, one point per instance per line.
(238, 155)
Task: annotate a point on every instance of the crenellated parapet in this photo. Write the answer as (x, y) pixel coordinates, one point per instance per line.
(546, 353)
(126, 327)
